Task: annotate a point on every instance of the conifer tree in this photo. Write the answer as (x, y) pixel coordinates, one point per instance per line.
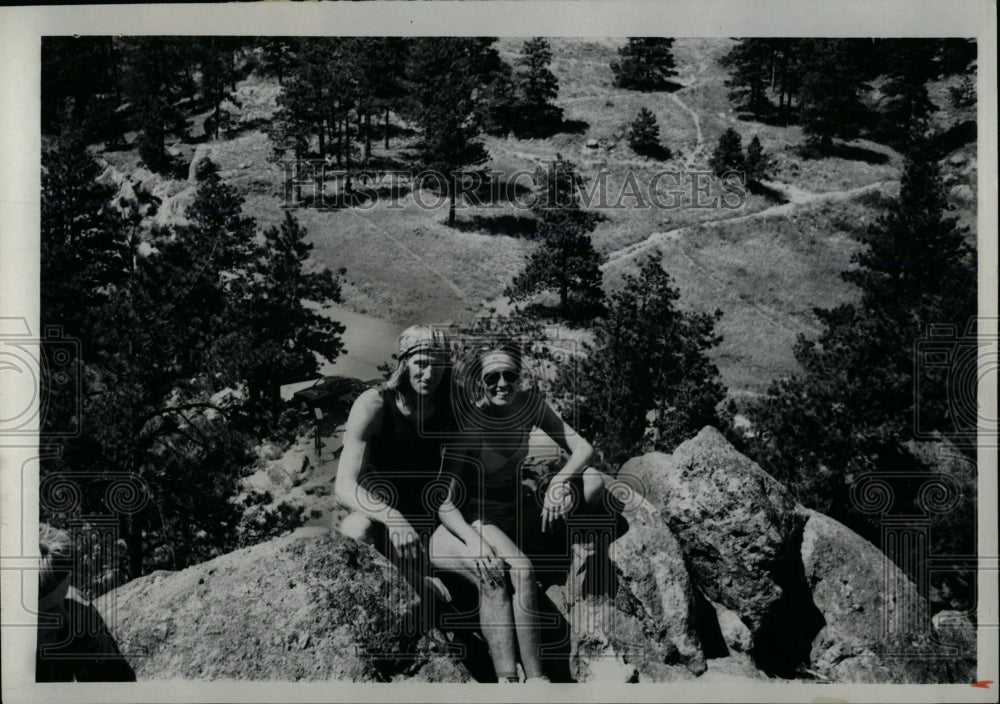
(565, 261)
(154, 82)
(644, 136)
(830, 102)
(537, 88)
(757, 163)
(853, 408)
(174, 337)
(445, 76)
(646, 383)
(218, 74)
(910, 65)
(728, 154)
(645, 63)
(752, 70)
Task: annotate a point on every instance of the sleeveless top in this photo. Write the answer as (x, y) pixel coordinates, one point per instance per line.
(405, 460)
(494, 484)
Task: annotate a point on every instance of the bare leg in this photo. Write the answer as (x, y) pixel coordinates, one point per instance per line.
(496, 617)
(361, 528)
(524, 601)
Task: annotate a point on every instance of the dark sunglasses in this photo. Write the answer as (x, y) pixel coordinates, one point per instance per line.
(493, 378)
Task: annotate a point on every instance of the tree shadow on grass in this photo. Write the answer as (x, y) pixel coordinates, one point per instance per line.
(661, 87)
(519, 226)
(956, 136)
(841, 150)
(772, 195)
(772, 117)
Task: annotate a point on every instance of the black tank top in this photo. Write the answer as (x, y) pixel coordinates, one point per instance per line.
(405, 460)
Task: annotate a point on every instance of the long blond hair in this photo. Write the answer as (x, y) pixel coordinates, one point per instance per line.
(418, 338)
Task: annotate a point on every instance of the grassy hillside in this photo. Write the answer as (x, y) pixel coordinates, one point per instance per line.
(766, 264)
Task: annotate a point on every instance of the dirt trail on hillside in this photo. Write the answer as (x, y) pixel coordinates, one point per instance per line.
(795, 196)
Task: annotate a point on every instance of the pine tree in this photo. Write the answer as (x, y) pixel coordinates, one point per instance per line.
(830, 102)
(173, 339)
(757, 163)
(565, 261)
(646, 383)
(277, 56)
(910, 65)
(728, 154)
(644, 136)
(752, 64)
(218, 74)
(153, 82)
(852, 410)
(537, 88)
(645, 63)
(378, 65)
(79, 86)
(445, 75)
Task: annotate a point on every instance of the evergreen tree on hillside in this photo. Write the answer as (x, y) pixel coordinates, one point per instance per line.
(910, 66)
(446, 78)
(565, 261)
(728, 154)
(646, 383)
(79, 86)
(644, 136)
(378, 64)
(173, 339)
(155, 74)
(314, 99)
(830, 92)
(757, 163)
(537, 87)
(536, 81)
(752, 67)
(852, 410)
(645, 63)
(218, 76)
(277, 56)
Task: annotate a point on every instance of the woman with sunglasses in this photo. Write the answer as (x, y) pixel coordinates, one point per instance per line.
(482, 519)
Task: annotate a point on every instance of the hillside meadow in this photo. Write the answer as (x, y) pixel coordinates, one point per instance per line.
(765, 264)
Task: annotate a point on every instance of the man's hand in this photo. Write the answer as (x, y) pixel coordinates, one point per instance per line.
(557, 504)
(489, 565)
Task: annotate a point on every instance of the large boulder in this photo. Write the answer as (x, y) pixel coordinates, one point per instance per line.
(957, 636)
(878, 628)
(640, 625)
(313, 605)
(737, 526)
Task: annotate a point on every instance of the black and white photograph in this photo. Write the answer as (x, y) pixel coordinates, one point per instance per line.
(350, 359)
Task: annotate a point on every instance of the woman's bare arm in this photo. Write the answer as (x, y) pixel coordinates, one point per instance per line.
(557, 502)
(580, 451)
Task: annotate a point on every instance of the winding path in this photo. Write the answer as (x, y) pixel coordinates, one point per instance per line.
(795, 197)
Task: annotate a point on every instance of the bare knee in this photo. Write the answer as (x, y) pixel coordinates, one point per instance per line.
(522, 572)
(359, 527)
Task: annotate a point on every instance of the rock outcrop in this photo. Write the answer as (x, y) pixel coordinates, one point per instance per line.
(739, 531)
(878, 627)
(640, 627)
(307, 606)
(711, 572)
